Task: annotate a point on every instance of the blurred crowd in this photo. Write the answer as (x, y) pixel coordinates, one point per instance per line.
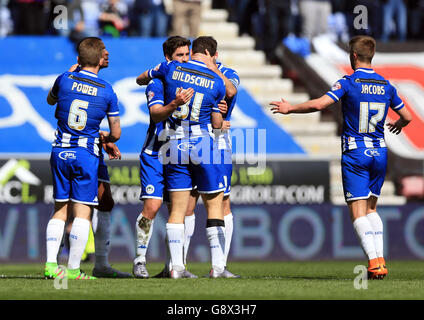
(273, 21)
(269, 21)
(115, 18)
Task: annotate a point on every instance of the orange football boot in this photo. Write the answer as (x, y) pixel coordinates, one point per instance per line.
(374, 269)
(383, 267)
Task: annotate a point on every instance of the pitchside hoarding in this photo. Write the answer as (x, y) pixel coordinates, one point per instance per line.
(26, 181)
(261, 232)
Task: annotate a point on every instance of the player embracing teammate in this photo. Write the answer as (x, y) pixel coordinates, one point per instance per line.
(366, 97)
(190, 157)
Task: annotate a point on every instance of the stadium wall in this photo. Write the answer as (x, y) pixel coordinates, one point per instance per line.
(261, 232)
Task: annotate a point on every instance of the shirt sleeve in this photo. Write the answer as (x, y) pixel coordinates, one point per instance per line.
(54, 92)
(154, 93)
(233, 77)
(159, 71)
(338, 90)
(396, 101)
(113, 107)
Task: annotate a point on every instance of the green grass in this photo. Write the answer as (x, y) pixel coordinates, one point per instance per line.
(260, 281)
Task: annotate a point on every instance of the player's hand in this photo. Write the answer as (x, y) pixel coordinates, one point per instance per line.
(73, 67)
(210, 63)
(395, 127)
(226, 125)
(223, 107)
(104, 136)
(183, 96)
(282, 107)
(112, 150)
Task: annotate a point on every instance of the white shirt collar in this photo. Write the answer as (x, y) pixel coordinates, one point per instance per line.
(88, 73)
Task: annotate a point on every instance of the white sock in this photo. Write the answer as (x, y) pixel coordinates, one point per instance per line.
(189, 223)
(175, 233)
(77, 241)
(216, 237)
(94, 221)
(168, 262)
(54, 234)
(228, 220)
(365, 234)
(102, 239)
(377, 226)
(143, 228)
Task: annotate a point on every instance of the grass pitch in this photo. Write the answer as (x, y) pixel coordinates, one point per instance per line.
(260, 281)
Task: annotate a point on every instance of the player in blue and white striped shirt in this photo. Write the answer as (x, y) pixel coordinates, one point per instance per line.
(222, 143)
(83, 100)
(366, 97)
(151, 169)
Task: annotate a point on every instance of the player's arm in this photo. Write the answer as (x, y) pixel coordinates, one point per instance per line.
(51, 98)
(230, 88)
(115, 130)
(143, 79)
(405, 118)
(160, 113)
(157, 72)
(216, 120)
(313, 105)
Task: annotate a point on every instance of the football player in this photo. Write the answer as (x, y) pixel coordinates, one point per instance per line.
(83, 100)
(151, 169)
(101, 213)
(366, 97)
(223, 143)
(190, 158)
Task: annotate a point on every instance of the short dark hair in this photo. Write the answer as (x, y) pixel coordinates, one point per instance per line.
(90, 51)
(203, 43)
(173, 43)
(363, 46)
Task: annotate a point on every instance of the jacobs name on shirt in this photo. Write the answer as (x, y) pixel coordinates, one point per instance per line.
(372, 89)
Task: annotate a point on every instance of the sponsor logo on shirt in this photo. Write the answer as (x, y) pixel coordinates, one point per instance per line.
(371, 153)
(65, 155)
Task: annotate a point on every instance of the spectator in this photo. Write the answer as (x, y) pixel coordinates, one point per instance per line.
(245, 11)
(89, 26)
(152, 17)
(186, 13)
(314, 15)
(113, 18)
(390, 9)
(279, 21)
(6, 24)
(374, 10)
(30, 18)
(415, 18)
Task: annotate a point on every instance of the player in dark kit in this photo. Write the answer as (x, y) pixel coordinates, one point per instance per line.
(366, 97)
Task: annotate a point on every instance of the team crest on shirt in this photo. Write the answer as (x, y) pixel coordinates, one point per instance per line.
(336, 86)
(150, 189)
(150, 95)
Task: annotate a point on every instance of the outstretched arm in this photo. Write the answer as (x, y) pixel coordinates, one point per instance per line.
(313, 105)
(405, 118)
